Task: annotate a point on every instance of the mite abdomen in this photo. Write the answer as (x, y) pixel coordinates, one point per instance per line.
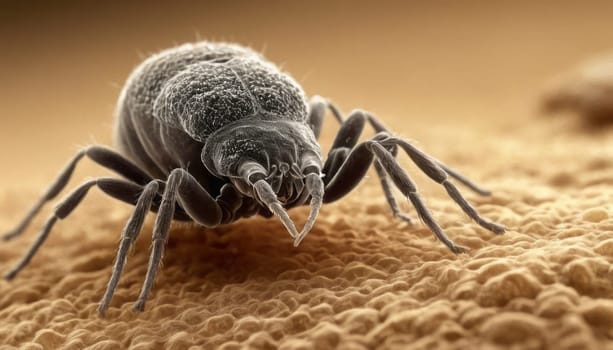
(200, 88)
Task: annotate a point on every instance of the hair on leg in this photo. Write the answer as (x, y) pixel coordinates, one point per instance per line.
(352, 171)
(431, 168)
(464, 180)
(408, 188)
(128, 237)
(160, 236)
(184, 190)
(347, 137)
(389, 195)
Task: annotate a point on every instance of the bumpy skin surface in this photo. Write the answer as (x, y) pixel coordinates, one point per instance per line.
(218, 133)
(176, 99)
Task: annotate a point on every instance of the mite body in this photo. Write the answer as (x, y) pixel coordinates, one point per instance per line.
(212, 132)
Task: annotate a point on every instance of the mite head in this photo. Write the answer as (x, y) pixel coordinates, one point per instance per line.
(278, 163)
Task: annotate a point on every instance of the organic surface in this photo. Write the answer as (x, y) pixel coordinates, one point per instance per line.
(460, 79)
(361, 279)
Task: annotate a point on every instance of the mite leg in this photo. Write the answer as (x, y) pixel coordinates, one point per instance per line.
(318, 104)
(119, 189)
(389, 194)
(350, 171)
(317, 112)
(347, 137)
(103, 156)
(463, 180)
(128, 237)
(196, 202)
(432, 168)
(353, 170)
(379, 127)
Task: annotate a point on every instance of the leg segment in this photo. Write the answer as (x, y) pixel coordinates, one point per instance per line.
(357, 162)
(197, 203)
(68, 205)
(353, 170)
(103, 156)
(389, 195)
(347, 138)
(317, 111)
(128, 237)
(347, 164)
(379, 127)
(348, 174)
(463, 180)
(432, 168)
(318, 105)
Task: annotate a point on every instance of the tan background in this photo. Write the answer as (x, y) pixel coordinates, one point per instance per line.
(461, 78)
(62, 65)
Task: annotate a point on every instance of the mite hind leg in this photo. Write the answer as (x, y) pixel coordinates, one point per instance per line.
(103, 156)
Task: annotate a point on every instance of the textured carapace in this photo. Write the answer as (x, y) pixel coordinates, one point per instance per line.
(199, 88)
(212, 132)
(244, 116)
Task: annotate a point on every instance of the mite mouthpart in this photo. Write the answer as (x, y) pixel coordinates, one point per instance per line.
(315, 187)
(268, 197)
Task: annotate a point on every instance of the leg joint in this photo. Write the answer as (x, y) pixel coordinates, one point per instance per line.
(176, 176)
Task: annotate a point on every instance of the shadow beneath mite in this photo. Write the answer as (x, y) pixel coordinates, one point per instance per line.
(254, 248)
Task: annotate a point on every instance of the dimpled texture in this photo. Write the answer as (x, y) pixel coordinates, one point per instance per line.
(361, 279)
(199, 88)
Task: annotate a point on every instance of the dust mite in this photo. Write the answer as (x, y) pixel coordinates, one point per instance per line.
(212, 132)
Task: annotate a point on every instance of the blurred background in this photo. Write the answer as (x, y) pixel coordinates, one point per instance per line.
(417, 65)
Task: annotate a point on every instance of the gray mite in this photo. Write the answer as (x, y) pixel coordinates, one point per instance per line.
(212, 132)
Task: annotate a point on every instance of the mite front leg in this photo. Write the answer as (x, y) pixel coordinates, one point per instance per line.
(317, 112)
(103, 156)
(128, 237)
(347, 138)
(318, 104)
(433, 169)
(355, 167)
(196, 202)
